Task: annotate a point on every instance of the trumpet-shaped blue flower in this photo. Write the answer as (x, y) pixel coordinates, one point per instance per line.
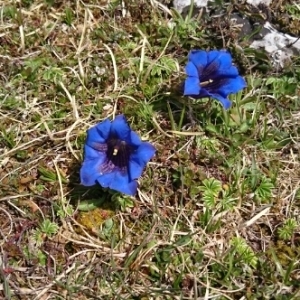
(211, 74)
(114, 156)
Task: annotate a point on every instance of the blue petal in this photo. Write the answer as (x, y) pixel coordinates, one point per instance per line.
(191, 86)
(213, 55)
(220, 65)
(225, 101)
(204, 93)
(135, 169)
(225, 64)
(90, 169)
(98, 133)
(139, 159)
(230, 71)
(232, 85)
(125, 187)
(91, 153)
(120, 126)
(106, 179)
(135, 140)
(144, 153)
(118, 181)
(87, 176)
(89, 172)
(191, 70)
(198, 58)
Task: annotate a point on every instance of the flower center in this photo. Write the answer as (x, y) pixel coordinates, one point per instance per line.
(118, 155)
(118, 152)
(205, 83)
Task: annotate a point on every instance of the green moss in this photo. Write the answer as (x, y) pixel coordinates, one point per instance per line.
(92, 220)
(286, 254)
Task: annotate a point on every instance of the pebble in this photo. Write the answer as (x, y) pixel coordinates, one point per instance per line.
(280, 46)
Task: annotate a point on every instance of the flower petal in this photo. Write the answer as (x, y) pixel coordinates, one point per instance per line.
(139, 159)
(120, 127)
(213, 55)
(144, 153)
(225, 64)
(203, 93)
(231, 86)
(91, 153)
(191, 70)
(228, 72)
(90, 169)
(191, 86)
(98, 133)
(125, 187)
(198, 58)
(118, 181)
(88, 176)
(219, 65)
(135, 140)
(225, 101)
(135, 169)
(106, 179)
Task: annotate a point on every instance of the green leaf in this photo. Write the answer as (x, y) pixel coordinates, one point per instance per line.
(48, 227)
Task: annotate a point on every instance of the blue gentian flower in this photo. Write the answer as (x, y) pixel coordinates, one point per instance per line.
(211, 74)
(114, 156)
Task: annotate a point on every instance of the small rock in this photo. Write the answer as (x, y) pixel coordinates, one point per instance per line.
(257, 2)
(281, 46)
(243, 23)
(179, 5)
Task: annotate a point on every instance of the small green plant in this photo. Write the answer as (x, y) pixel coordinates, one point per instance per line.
(185, 27)
(214, 196)
(293, 10)
(165, 65)
(211, 189)
(37, 236)
(49, 228)
(282, 86)
(31, 68)
(216, 199)
(264, 190)
(42, 258)
(9, 11)
(68, 210)
(210, 145)
(107, 228)
(38, 255)
(49, 175)
(53, 74)
(122, 201)
(7, 137)
(288, 229)
(146, 112)
(46, 229)
(244, 252)
(69, 16)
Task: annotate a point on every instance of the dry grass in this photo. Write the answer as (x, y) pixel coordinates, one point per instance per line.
(66, 66)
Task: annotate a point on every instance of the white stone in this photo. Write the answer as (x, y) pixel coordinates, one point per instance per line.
(257, 2)
(181, 4)
(279, 45)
